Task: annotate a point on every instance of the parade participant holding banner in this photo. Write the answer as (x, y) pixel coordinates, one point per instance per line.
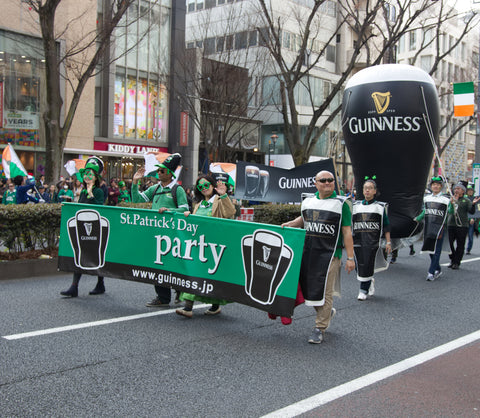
(212, 200)
(327, 219)
(458, 224)
(369, 221)
(91, 194)
(165, 196)
(436, 208)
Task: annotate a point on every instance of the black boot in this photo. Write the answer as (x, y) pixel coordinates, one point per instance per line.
(99, 289)
(71, 292)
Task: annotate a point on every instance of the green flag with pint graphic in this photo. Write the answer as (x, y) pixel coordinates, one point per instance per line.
(250, 263)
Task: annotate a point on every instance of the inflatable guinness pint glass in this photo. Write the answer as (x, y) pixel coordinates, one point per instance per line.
(390, 117)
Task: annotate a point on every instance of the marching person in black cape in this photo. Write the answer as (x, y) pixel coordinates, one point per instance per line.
(436, 207)
(327, 219)
(369, 221)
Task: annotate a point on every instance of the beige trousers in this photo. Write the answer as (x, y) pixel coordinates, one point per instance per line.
(324, 312)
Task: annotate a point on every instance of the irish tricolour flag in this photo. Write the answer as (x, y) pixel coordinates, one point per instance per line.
(12, 166)
(463, 99)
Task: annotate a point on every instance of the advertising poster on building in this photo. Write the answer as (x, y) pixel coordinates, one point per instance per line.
(253, 264)
(16, 119)
(264, 183)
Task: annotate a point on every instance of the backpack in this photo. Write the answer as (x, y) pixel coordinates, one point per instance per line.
(173, 190)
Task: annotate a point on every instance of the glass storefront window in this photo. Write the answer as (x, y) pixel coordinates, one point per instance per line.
(140, 100)
(119, 111)
(22, 81)
(130, 107)
(140, 108)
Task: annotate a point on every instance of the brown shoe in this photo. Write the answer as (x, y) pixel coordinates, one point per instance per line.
(183, 312)
(213, 310)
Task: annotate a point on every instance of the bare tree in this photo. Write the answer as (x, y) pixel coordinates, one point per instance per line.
(375, 28)
(222, 75)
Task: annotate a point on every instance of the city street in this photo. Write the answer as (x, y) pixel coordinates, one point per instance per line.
(110, 355)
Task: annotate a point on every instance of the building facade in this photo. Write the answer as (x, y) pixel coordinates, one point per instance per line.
(124, 111)
(224, 29)
(23, 84)
(234, 31)
(458, 62)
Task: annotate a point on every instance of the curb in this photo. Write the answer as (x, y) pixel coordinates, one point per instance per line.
(23, 269)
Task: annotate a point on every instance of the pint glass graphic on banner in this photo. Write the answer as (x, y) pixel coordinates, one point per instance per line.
(266, 260)
(264, 180)
(252, 180)
(88, 233)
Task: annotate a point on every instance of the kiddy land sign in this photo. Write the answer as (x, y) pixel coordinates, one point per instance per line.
(253, 264)
(126, 148)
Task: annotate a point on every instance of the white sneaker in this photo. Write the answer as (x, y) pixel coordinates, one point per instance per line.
(362, 296)
(430, 277)
(371, 290)
(437, 274)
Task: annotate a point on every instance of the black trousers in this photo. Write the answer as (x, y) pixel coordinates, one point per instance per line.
(163, 293)
(458, 235)
(77, 276)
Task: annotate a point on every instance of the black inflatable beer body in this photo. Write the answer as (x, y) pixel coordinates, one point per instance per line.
(383, 112)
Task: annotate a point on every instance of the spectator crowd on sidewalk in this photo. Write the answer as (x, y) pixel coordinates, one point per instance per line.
(35, 190)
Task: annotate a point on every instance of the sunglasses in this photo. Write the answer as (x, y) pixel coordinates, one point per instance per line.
(329, 180)
(203, 186)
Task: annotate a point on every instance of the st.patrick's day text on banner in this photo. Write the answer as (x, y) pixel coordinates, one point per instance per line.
(245, 262)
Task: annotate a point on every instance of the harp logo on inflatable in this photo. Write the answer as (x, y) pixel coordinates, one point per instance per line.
(381, 100)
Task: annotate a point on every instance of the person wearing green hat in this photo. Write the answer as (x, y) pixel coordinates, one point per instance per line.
(211, 200)
(165, 196)
(91, 194)
(124, 193)
(436, 207)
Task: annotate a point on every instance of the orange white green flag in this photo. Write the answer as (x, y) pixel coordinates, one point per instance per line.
(463, 99)
(12, 166)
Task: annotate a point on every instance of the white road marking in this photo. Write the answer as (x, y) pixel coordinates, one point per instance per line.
(92, 324)
(463, 261)
(337, 392)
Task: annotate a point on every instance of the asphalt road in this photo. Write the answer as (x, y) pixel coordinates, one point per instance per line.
(239, 363)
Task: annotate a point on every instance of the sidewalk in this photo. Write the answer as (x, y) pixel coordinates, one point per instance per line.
(20, 269)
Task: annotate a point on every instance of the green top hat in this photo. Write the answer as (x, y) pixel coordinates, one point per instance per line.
(171, 163)
(437, 179)
(95, 164)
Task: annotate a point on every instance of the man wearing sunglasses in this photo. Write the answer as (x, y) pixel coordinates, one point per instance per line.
(327, 219)
(165, 196)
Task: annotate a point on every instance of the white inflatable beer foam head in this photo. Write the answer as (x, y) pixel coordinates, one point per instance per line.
(389, 72)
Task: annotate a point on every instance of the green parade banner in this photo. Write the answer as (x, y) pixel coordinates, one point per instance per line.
(245, 262)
